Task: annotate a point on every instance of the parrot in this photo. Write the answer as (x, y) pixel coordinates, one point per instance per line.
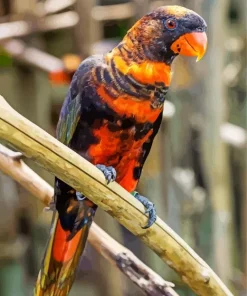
(110, 116)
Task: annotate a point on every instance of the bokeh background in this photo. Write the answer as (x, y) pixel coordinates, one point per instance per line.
(196, 173)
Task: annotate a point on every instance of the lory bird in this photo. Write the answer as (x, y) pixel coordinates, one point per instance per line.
(111, 114)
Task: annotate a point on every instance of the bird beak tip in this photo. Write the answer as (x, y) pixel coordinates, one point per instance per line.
(191, 44)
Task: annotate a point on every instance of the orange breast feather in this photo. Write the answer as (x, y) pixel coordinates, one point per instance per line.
(120, 150)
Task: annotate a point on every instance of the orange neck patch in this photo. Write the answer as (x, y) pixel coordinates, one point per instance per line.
(147, 72)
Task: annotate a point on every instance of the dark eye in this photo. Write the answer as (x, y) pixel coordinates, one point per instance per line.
(170, 24)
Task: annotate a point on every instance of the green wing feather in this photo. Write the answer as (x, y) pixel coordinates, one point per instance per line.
(71, 111)
(68, 121)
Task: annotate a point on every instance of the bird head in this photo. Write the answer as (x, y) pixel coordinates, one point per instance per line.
(167, 32)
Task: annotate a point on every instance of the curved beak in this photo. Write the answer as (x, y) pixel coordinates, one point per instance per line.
(191, 44)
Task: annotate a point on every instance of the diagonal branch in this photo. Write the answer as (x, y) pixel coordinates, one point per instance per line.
(115, 253)
(84, 177)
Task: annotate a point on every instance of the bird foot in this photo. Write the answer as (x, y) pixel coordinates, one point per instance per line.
(52, 204)
(150, 209)
(108, 171)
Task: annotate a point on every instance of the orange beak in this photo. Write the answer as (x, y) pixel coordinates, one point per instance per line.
(191, 44)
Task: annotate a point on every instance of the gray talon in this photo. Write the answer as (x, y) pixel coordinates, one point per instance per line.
(150, 209)
(109, 172)
(79, 196)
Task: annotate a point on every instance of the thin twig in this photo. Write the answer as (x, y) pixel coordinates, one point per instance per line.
(86, 178)
(54, 6)
(113, 12)
(115, 253)
(54, 22)
(32, 56)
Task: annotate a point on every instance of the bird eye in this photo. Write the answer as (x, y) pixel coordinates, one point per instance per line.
(170, 24)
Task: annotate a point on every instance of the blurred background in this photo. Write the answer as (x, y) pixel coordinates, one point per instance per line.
(197, 171)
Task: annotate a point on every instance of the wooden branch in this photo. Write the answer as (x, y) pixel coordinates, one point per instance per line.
(129, 264)
(115, 253)
(86, 178)
(54, 6)
(113, 12)
(54, 22)
(33, 56)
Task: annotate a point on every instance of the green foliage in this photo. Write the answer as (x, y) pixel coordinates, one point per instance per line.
(5, 58)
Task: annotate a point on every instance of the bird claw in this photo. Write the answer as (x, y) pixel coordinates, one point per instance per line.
(150, 209)
(80, 196)
(51, 207)
(108, 171)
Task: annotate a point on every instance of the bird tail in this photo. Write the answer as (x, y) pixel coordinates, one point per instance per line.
(61, 260)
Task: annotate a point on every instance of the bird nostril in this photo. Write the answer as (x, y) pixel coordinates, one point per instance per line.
(178, 48)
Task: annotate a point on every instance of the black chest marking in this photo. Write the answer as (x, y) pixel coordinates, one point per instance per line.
(159, 96)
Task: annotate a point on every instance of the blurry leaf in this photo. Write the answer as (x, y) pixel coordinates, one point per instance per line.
(5, 59)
